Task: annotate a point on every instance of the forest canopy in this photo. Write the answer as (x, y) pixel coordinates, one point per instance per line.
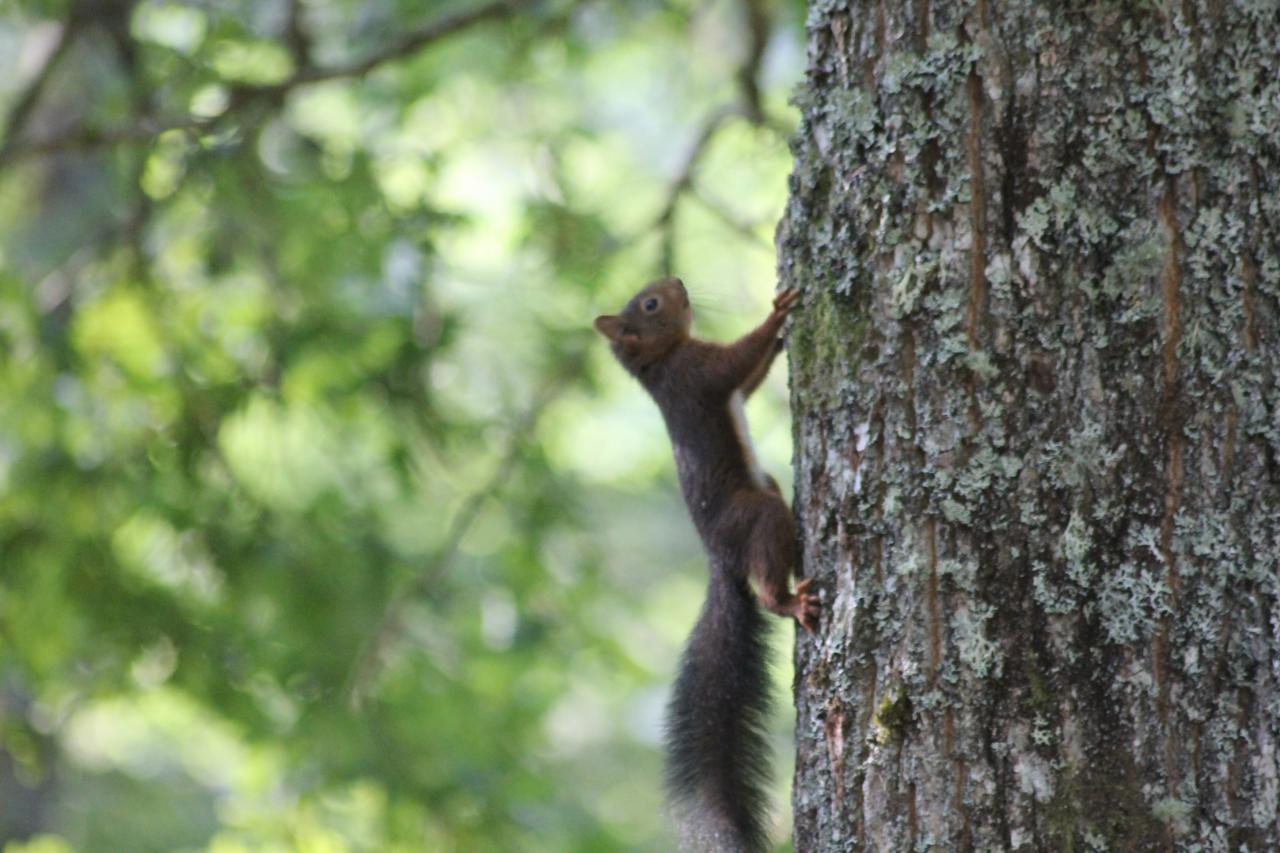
(326, 522)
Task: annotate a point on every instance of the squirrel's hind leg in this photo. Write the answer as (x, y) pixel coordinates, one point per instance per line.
(773, 554)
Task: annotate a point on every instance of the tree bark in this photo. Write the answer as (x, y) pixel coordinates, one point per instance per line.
(1036, 391)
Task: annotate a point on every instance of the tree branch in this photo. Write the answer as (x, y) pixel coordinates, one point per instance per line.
(296, 37)
(26, 102)
(433, 31)
(369, 662)
(665, 220)
(88, 138)
(759, 26)
(743, 229)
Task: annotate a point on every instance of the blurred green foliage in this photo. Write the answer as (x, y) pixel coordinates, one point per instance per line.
(325, 522)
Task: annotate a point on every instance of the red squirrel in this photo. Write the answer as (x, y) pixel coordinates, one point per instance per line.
(716, 754)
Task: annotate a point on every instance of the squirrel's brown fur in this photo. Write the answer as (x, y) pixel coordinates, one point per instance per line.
(716, 752)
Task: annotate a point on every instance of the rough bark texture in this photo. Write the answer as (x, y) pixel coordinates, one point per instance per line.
(1036, 389)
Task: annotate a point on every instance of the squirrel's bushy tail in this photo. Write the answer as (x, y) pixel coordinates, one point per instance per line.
(717, 752)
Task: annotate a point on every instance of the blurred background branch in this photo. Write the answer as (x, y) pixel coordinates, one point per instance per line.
(26, 100)
(386, 633)
(757, 25)
(243, 95)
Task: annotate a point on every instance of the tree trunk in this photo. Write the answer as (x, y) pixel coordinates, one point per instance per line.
(1036, 390)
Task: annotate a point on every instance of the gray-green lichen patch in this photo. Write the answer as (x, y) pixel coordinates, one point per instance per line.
(1174, 814)
(979, 653)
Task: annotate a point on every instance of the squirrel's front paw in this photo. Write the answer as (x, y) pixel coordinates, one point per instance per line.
(783, 302)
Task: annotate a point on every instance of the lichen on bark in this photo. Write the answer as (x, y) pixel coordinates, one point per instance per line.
(1036, 391)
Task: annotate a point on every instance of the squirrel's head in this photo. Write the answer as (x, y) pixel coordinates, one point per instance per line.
(656, 318)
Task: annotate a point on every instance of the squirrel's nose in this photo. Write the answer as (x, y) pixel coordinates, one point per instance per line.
(684, 292)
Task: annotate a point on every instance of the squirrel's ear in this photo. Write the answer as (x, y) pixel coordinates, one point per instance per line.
(610, 326)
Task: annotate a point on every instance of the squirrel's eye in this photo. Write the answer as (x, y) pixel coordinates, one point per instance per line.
(651, 304)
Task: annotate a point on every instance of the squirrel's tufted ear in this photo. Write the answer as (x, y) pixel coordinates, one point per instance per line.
(610, 326)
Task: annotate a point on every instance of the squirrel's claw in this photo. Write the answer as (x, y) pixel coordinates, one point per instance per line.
(806, 607)
(783, 301)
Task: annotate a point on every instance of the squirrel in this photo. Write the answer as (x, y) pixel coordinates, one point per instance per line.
(717, 757)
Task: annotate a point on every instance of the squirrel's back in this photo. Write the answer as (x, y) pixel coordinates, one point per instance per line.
(709, 438)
